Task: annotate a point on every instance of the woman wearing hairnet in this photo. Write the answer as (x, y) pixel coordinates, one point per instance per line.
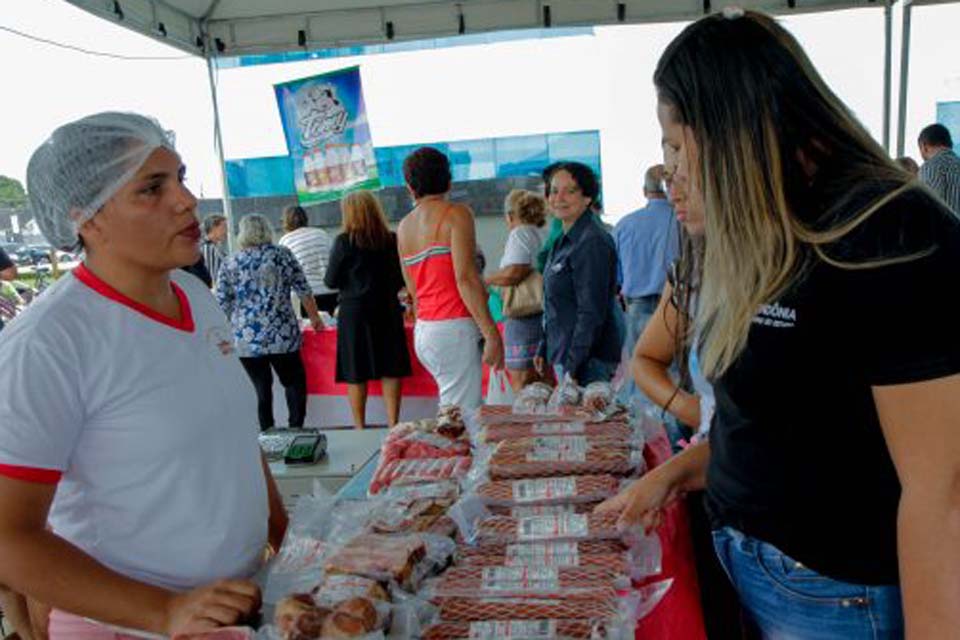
(126, 421)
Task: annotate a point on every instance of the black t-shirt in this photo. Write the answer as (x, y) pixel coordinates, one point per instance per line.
(798, 458)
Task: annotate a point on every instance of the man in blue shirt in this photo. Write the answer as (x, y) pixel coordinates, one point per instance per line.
(648, 242)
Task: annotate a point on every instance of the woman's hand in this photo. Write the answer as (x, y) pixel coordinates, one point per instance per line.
(220, 604)
(538, 364)
(642, 503)
(493, 350)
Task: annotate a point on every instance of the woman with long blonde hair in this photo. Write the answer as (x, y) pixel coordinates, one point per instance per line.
(371, 342)
(833, 457)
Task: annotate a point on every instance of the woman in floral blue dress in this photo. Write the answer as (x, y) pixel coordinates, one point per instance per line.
(254, 289)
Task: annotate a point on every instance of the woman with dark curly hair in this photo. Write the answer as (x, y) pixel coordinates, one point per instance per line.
(582, 334)
(437, 242)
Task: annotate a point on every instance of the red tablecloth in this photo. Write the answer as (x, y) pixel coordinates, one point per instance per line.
(319, 353)
(679, 615)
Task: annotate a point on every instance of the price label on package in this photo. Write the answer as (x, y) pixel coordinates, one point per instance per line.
(528, 510)
(513, 630)
(568, 525)
(559, 428)
(521, 577)
(539, 489)
(561, 443)
(552, 554)
(556, 455)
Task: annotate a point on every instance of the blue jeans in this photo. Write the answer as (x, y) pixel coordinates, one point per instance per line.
(788, 601)
(639, 313)
(596, 371)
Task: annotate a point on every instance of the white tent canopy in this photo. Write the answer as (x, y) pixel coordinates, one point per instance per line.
(240, 27)
(212, 28)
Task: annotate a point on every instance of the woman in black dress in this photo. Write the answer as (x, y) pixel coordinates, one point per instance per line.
(371, 343)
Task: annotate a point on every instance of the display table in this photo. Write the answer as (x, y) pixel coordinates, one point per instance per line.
(679, 614)
(348, 451)
(327, 400)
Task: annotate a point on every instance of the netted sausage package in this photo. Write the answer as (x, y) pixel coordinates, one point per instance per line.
(511, 428)
(601, 618)
(559, 490)
(562, 456)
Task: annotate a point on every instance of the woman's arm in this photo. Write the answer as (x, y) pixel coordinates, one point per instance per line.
(510, 275)
(463, 245)
(36, 562)
(920, 423)
(651, 362)
(278, 520)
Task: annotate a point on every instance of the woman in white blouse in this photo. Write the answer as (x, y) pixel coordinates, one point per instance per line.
(525, 214)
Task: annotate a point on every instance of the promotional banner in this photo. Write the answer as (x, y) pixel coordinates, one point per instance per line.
(328, 137)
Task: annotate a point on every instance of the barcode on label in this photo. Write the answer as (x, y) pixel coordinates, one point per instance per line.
(563, 443)
(527, 511)
(550, 554)
(521, 578)
(513, 629)
(568, 525)
(544, 489)
(556, 455)
(559, 428)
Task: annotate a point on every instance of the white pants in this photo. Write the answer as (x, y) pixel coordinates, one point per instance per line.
(450, 351)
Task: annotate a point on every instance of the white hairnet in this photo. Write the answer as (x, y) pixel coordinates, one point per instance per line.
(83, 164)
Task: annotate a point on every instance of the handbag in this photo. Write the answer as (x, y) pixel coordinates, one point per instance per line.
(525, 298)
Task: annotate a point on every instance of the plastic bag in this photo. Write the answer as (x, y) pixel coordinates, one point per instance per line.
(566, 394)
(499, 389)
(478, 526)
(548, 491)
(418, 470)
(533, 399)
(544, 462)
(494, 433)
(527, 581)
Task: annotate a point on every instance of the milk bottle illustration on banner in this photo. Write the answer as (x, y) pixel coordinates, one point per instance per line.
(334, 169)
(357, 163)
(320, 170)
(308, 171)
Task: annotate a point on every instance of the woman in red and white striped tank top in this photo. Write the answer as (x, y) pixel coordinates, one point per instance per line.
(437, 243)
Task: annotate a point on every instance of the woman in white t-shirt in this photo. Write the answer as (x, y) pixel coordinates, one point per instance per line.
(132, 487)
(525, 214)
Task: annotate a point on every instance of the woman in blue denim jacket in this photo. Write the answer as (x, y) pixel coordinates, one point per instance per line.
(832, 462)
(583, 321)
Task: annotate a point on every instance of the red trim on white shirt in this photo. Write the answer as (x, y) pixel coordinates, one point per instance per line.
(185, 323)
(31, 474)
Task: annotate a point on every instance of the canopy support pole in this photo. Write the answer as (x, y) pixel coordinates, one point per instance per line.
(887, 72)
(904, 75)
(218, 143)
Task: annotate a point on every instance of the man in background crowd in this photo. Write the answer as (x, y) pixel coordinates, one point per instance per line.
(941, 166)
(647, 244)
(213, 245)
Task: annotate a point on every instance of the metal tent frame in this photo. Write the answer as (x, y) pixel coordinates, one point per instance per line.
(213, 28)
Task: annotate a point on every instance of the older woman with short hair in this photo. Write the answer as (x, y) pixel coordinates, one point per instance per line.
(254, 291)
(525, 213)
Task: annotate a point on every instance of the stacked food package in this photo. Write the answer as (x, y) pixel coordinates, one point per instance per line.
(477, 533)
(424, 451)
(534, 560)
